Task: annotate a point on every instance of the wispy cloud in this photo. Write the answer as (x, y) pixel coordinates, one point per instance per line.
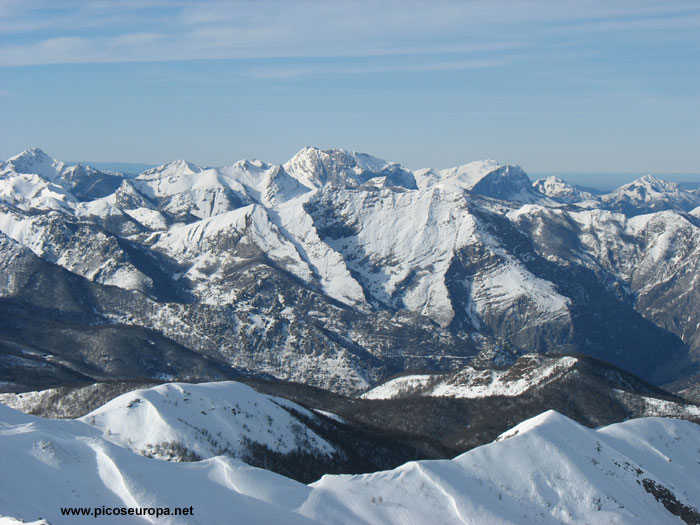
(78, 49)
(36, 32)
(689, 20)
(277, 72)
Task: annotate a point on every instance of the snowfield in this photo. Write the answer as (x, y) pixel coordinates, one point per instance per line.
(547, 469)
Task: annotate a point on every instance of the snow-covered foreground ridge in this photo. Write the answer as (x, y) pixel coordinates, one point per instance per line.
(547, 469)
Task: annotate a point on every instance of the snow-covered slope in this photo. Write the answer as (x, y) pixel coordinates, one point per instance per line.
(473, 383)
(485, 177)
(81, 247)
(34, 161)
(560, 190)
(201, 246)
(67, 402)
(404, 263)
(462, 177)
(652, 259)
(51, 464)
(547, 469)
(649, 194)
(28, 181)
(179, 420)
(536, 375)
(36, 178)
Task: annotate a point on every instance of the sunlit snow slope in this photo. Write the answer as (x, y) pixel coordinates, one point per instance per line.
(548, 469)
(204, 420)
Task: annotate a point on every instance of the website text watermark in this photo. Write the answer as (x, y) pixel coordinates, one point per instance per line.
(156, 512)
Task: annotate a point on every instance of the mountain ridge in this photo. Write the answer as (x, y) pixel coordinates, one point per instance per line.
(355, 268)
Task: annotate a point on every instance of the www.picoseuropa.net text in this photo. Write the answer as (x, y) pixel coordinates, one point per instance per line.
(156, 512)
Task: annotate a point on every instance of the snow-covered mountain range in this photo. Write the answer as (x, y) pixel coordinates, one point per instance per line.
(546, 469)
(335, 269)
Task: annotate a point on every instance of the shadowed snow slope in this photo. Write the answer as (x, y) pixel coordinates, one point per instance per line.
(547, 469)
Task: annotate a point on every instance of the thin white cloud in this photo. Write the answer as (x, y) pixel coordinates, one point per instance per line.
(423, 66)
(74, 49)
(38, 32)
(138, 39)
(39, 17)
(686, 21)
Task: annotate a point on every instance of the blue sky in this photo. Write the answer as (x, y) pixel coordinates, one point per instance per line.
(552, 86)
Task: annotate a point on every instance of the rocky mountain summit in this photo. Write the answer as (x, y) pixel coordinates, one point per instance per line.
(335, 269)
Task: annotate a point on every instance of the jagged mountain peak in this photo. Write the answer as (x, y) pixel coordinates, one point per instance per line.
(35, 174)
(650, 194)
(35, 161)
(339, 153)
(509, 182)
(557, 188)
(550, 183)
(32, 153)
(174, 168)
(315, 168)
(651, 182)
